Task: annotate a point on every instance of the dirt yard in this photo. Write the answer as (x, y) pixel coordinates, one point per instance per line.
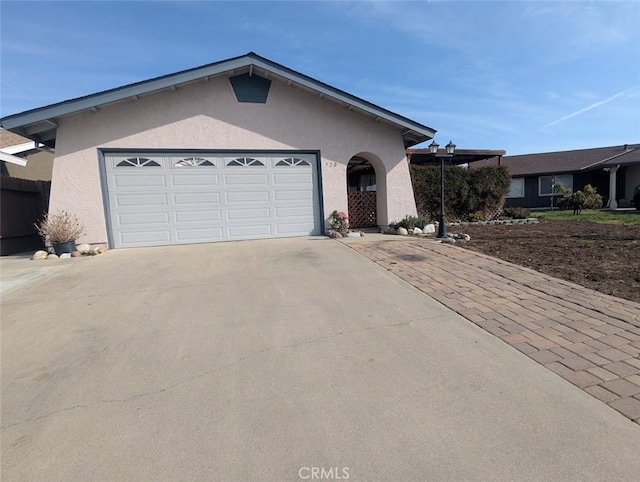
(603, 257)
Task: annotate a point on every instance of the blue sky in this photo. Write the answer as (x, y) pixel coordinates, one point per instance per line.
(520, 76)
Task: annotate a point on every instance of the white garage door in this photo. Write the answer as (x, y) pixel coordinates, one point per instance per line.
(160, 199)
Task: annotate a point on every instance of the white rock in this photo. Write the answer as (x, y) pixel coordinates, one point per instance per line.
(417, 231)
(40, 255)
(353, 235)
(52, 256)
(84, 248)
(448, 240)
(466, 237)
(65, 255)
(402, 231)
(429, 228)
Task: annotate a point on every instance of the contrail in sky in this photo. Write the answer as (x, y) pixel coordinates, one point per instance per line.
(592, 106)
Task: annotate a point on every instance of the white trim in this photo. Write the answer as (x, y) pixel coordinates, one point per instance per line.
(24, 147)
(12, 159)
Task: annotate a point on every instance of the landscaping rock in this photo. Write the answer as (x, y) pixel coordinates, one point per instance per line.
(84, 248)
(429, 229)
(65, 255)
(448, 240)
(76, 254)
(52, 256)
(40, 255)
(353, 235)
(402, 231)
(417, 231)
(97, 250)
(332, 234)
(466, 237)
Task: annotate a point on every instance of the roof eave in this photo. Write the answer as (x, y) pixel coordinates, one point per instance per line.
(41, 124)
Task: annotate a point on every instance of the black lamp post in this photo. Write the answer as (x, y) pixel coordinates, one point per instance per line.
(433, 149)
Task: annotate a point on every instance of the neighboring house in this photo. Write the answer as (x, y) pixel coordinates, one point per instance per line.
(239, 149)
(613, 171)
(23, 158)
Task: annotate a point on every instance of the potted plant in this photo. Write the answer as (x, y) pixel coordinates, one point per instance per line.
(61, 230)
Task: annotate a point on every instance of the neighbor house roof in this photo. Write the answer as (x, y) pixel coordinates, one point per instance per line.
(41, 124)
(12, 144)
(568, 161)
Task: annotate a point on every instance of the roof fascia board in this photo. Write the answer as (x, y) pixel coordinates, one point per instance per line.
(114, 95)
(232, 66)
(344, 97)
(604, 161)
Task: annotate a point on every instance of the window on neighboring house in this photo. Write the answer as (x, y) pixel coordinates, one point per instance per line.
(516, 189)
(545, 184)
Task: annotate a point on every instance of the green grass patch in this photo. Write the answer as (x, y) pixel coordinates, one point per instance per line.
(596, 216)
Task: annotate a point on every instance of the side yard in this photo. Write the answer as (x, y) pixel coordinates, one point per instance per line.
(604, 256)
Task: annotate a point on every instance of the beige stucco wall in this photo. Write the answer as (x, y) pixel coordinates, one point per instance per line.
(206, 115)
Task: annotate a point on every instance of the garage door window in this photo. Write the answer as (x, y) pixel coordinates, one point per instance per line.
(245, 161)
(138, 162)
(194, 162)
(291, 161)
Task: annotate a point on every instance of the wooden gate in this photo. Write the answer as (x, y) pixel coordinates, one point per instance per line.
(22, 203)
(362, 209)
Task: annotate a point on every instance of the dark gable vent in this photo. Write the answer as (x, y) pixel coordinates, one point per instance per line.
(250, 88)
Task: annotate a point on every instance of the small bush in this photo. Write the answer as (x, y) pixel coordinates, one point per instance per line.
(410, 222)
(593, 200)
(516, 213)
(339, 222)
(61, 227)
(587, 199)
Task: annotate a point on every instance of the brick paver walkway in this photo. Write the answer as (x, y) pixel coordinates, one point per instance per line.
(588, 338)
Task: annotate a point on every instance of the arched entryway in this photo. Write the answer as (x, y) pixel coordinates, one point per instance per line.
(362, 193)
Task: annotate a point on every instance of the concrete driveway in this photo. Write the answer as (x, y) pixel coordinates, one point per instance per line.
(290, 359)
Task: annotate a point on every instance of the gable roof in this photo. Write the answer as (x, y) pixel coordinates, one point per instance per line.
(41, 124)
(568, 161)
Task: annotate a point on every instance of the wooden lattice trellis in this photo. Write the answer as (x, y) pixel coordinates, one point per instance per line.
(362, 209)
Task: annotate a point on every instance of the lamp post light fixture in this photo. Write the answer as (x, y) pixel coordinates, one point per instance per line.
(449, 150)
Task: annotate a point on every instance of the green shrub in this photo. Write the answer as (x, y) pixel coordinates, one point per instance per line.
(587, 199)
(488, 189)
(593, 200)
(477, 216)
(480, 191)
(410, 222)
(516, 213)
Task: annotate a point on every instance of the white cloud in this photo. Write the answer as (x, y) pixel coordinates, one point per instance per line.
(595, 105)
